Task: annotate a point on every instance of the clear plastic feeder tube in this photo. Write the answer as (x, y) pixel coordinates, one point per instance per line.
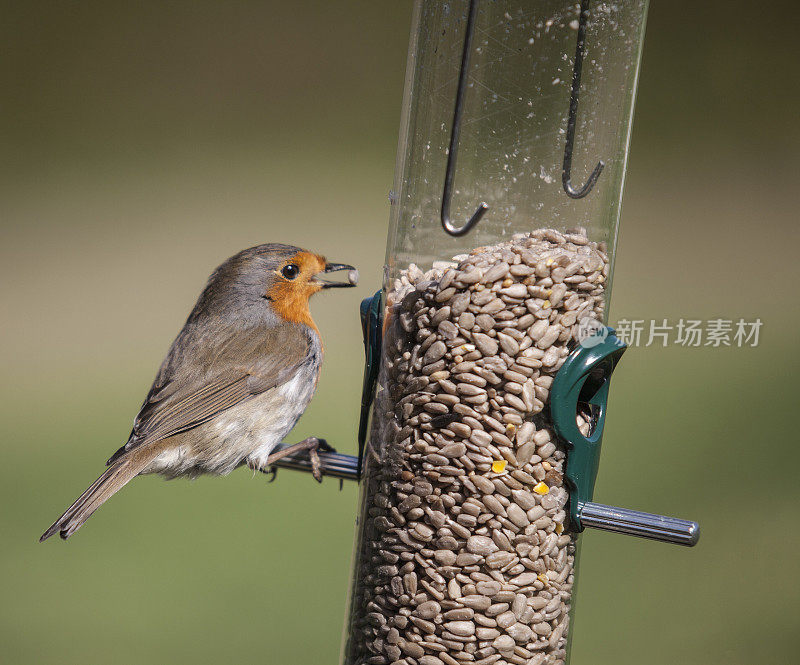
(464, 551)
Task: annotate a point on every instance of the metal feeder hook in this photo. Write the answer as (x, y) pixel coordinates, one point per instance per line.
(566, 173)
(455, 132)
(458, 110)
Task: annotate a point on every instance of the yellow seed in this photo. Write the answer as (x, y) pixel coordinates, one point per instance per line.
(549, 262)
(541, 488)
(546, 304)
(559, 529)
(543, 579)
(499, 465)
(511, 429)
(547, 466)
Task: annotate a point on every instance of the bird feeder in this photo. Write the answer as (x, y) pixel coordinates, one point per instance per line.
(488, 353)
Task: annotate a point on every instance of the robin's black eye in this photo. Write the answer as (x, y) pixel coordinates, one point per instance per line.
(291, 271)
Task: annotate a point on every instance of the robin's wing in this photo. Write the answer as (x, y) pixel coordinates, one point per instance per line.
(196, 383)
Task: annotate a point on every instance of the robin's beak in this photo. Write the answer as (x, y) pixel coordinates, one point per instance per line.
(352, 276)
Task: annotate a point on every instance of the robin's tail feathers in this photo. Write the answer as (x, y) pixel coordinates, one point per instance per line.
(101, 490)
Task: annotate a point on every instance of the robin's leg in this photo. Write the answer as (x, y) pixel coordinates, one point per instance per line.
(312, 445)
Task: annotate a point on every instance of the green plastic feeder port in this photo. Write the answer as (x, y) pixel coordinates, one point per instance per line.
(581, 386)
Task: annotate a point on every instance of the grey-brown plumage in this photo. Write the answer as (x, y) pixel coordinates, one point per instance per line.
(234, 382)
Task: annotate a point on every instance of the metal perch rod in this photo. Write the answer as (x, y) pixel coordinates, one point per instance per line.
(643, 525)
(593, 515)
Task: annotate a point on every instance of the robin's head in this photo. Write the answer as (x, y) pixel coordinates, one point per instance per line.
(276, 279)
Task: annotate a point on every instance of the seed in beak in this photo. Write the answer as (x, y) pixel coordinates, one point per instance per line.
(352, 276)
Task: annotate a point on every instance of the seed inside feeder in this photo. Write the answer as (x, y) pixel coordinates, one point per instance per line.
(463, 554)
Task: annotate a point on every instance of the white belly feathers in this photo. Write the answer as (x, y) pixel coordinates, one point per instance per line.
(248, 431)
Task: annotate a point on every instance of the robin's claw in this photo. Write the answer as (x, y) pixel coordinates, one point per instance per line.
(325, 447)
(316, 465)
(312, 446)
(271, 471)
(316, 445)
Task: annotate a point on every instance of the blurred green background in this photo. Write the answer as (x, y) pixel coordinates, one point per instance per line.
(145, 142)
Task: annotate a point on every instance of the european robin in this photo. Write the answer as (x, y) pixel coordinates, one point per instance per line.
(235, 381)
